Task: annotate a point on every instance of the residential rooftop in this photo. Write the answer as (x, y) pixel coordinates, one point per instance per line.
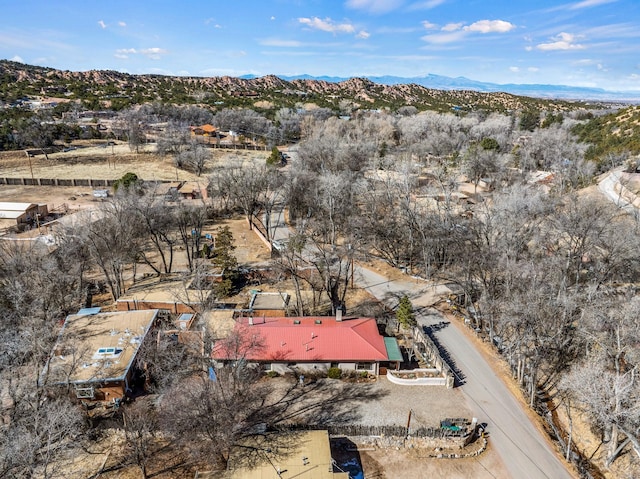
(97, 347)
(311, 338)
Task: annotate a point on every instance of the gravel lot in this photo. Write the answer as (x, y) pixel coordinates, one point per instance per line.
(429, 404)
(377, 403)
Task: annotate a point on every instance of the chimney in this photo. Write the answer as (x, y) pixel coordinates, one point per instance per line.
(339, 314)
(250, 321)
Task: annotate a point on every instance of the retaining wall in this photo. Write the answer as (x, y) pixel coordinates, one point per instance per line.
(431, 381)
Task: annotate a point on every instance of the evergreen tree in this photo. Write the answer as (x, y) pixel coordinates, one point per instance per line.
(275, 158)
(224, 259)
(404, 313)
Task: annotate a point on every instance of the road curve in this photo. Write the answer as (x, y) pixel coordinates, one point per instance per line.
(522, 448)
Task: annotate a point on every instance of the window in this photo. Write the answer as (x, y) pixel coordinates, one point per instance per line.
(85, 393)
(364, 366)
(107, 352)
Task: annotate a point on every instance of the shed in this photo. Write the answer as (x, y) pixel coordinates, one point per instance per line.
(22, 212)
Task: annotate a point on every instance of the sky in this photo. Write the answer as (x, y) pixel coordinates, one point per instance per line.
(589, 43)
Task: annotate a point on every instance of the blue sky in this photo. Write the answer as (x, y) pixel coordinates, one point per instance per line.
(593, 43)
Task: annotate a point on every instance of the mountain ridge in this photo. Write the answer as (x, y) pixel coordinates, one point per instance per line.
(113, 89)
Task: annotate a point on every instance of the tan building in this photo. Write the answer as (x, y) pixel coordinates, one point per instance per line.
(172, 294)
(96, 352)
(12, 214)
(193, 190)
(309, 457)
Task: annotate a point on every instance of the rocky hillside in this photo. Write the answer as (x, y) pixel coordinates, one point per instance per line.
(614, 134)
(111, 89)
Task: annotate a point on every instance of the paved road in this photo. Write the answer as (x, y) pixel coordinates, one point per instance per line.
(607, 187)
(522, 448)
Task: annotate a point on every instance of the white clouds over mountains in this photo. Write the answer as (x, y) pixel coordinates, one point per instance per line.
(328, 25)
(454, 32)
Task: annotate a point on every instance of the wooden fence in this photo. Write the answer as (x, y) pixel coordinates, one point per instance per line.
(90, 182)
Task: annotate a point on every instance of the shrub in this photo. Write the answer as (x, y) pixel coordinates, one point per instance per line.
(334, 373)
(272, 374)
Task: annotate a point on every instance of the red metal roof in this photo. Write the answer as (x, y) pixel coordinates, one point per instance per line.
(303, 339)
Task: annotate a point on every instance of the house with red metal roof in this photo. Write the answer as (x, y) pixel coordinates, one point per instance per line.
(308, 343)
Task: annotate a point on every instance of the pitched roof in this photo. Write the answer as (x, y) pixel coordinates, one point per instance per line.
(305, 339)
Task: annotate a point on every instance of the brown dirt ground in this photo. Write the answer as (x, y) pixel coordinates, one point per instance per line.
(416, 463)
(101, 163)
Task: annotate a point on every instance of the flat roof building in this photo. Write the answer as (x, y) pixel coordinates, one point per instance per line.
(96, 351)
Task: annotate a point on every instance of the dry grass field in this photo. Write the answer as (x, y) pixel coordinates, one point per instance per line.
(98, 162)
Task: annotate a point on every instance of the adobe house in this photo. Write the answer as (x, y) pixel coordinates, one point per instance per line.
(192, 190)
(204, 130)
(308, 455)
(171, 293)
(95, 353)
(308, 343)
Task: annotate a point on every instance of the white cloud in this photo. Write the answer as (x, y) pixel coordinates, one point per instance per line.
(374, 6)
(533, 69)
(399, 30)
(102, 24)
(454, 32)
(426, 5)
(490, 26)
(122, 24)
(327, 25)
(562, 41)
(153, 53)
(363, 34)
(272, 18)
(208, 21)
(589, 3)
(17, 58)
(428, 25)
(452, 27)
(441, 38)
(276, 42)
(514, 69)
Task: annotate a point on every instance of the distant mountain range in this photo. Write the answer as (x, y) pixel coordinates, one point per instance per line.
(439, 82)
(98, 89)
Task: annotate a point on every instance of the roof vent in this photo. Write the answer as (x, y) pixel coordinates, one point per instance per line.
(318, 321)
(296, 321)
